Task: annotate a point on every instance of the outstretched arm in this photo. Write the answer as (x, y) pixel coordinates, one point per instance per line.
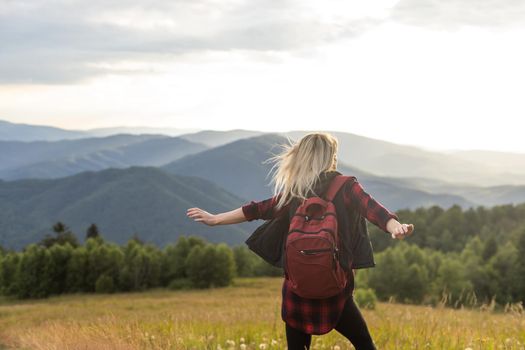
(376, 213)
(264, 209)
(231, 217)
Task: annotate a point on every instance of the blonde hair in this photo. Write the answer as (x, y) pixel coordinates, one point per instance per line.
(299, 165)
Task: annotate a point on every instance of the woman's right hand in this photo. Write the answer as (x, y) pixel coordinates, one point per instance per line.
(203, 216)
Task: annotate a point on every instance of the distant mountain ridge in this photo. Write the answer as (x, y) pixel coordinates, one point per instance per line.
(139, 130)
(28, 132)
(142, 200)
(478, 168)
(43, 159)
(212, 138)
(238, 167)
(385, 158)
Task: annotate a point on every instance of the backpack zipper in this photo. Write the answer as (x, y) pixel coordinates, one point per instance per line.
(314, 251)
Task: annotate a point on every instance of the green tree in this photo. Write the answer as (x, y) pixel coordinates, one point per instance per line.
(141, 268)
(198, 266)
(520, 267)
(56, 268)
(32, 278)
(414, 286)
(62, 235)
(103, 258)
(8, 268)
(390, 269)
(224, 266)
(503, 264)
(210, 266)
(245, 260)
(77, 270)
(452, 282)
(490, 248)
(174, 258)
(365, 298)
(104, 284)
(153, 266)
(93, 232)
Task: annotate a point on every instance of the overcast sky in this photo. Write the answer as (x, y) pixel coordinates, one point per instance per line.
(442, 74)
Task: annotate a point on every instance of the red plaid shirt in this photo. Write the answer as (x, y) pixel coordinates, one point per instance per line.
(320, 316)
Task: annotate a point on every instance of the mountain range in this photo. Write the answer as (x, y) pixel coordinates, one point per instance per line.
(45, 159)
(145, 201)
(464, 168)
(143, 184)
(27, 132)
(240, 167)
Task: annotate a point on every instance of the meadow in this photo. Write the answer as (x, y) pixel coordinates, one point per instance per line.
(243, 316)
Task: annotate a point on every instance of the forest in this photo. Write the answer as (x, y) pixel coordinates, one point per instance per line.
(465, 257)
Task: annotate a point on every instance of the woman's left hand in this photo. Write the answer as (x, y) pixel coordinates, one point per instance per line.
(398, 230)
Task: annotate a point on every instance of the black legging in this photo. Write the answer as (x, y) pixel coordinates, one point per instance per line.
(351, 324)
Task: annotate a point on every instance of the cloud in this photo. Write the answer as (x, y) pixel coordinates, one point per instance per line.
(65, 41)
(453, 14)
(56, 42)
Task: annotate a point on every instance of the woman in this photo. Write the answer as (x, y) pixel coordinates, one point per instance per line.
(305, 169)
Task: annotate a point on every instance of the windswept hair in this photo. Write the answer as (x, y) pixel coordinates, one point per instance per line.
(299, 165)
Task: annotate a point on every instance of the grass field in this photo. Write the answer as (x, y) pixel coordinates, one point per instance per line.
(226, 318)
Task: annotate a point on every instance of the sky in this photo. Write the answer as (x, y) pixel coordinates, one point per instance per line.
(440, 74)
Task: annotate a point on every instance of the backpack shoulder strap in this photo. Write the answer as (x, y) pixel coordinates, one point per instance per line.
(337, 182)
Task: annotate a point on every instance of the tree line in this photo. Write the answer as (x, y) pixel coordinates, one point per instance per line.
(465, 257)
(482, 273)
(59, 264)
(449, 230)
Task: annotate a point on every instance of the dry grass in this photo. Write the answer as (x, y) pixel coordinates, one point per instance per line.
(225, 318)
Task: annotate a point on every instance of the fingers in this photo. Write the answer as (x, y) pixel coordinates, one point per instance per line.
(399, 230)
(193, 210)
(195, 213)
(402, 231)
(200, 215)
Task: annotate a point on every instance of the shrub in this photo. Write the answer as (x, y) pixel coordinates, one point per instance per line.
(104, 284)
(180, 283)
(365, 298)
(210, 266)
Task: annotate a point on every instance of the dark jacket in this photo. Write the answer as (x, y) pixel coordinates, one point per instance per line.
(268, 240)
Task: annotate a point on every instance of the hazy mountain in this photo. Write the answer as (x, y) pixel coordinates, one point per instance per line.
(17, 153)
(479, 168)
(212, 138)
(42, 159)
(395, 160)
(139, 130)
(486, 196)
(238, 167)
(27, 132)
(395, 195)
(142, 200)
(494, 159)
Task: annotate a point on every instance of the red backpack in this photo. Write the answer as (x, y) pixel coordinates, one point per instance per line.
(312, 247)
